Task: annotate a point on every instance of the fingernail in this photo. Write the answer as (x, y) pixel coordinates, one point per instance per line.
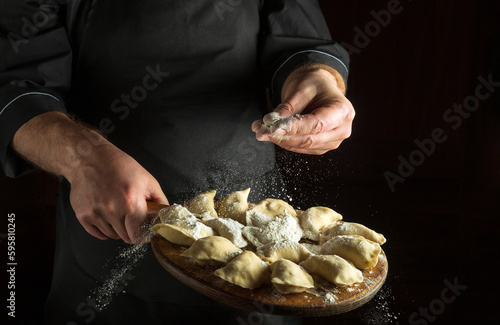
(256, 125)
(262, 135)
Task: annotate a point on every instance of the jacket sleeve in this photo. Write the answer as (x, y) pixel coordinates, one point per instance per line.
(35, 69)
(294, 33)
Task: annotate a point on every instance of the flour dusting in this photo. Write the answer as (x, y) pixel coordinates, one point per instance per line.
(121, 266)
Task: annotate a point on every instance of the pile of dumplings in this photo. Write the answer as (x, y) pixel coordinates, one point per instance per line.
(269, 242)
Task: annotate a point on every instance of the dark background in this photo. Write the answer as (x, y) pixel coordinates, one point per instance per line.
(441, 222)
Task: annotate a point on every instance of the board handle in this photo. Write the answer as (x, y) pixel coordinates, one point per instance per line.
(155, 206)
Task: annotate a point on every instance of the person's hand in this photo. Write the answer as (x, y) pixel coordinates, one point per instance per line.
(314, 116)
(109, 190)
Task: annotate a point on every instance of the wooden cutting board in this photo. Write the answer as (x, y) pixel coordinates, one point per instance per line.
(326, 301)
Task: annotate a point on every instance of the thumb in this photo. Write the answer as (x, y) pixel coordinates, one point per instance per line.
(296, 100)
(156, 194)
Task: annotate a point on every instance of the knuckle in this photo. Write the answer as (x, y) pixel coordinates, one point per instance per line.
(129, 202)
(336, 145)
(88, 216)
(286, 107)
(318, 125)
(351, 113)
(346, 133)
(308, 142)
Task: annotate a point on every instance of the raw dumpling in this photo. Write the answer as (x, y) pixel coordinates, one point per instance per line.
(234, 206)
(350, 228)
(333, 268)
(245, 270)
(279, 229)
(203, 204)
(230, 229)
(212, 250)
(181, 228)
(270, 208)
(313, 248)
(173, 212)
(314, 219)
(362, 252)
(286, 249)
(257, 219)
(288, 277)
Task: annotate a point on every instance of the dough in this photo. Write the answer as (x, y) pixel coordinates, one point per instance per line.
(350, 228)
(270, 208)
(288, 277)
(333, 268)
(245, 270)
(181, 228)
(286, 249)
(203, 205)
(234, 206)
(314, 219)
(212, 250)
(279, 229)
(362, 252)
(230, 229)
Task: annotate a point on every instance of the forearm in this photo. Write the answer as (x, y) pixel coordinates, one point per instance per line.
(55, 143)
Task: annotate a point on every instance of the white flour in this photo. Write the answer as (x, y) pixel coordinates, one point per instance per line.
(121, 266)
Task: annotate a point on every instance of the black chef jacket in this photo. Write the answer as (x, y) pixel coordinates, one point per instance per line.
(175, 84)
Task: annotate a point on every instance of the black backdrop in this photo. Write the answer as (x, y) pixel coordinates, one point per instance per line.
(415, 71)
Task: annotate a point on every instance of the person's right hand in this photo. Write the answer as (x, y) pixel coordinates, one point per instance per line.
(109, 190)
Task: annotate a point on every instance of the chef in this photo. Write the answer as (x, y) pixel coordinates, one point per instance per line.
(130, 101)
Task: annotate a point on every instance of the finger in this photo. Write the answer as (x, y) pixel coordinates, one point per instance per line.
(118, 224)
(314, 143)
(296, 102)
(322, 119)
(110, 221)
(314, 151)
(156, 194)
(108, 230)
(135, 221)
(95, 224)
(289, 108)
(94, 231)
(257, 125)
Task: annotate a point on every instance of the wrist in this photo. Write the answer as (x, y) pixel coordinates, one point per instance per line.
(84, 156)
(319, 69)
(81, 148)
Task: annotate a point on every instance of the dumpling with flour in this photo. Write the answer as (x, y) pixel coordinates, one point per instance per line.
(278, 229)
(203, 205)
(314, 219)
(230, 229)
(267, 210)
(180, 227)
(285, 249)
(246, 270)
(333, 268)
(363, 253)
(288, 277)
(173, 212)
(350, 228)
(212, 250)
(234, 206)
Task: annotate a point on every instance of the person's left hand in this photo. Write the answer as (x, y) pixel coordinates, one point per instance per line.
(314, 116)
